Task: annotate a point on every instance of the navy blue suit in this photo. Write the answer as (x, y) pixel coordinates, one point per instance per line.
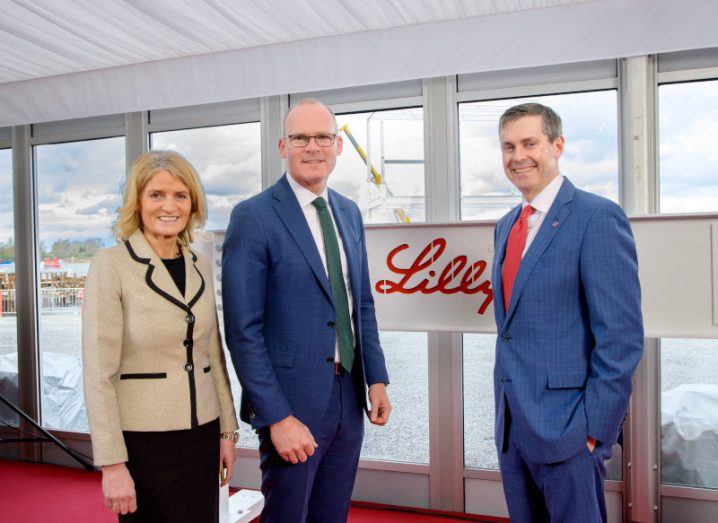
(565, 353)
(279, 323)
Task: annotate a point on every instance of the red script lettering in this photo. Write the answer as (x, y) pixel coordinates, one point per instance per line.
(455, 277)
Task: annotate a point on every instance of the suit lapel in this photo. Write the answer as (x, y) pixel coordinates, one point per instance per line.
(550, 226)
(349, 235)
(194, 282)
(291, 214)
(158, 277)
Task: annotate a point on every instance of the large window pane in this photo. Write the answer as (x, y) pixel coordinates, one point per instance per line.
(389, 187)
(689, 412)
(228, 160)
(590, 158)
(479, 447)
(406, 436)
(79, 192)
(8, 324)
(688, 115)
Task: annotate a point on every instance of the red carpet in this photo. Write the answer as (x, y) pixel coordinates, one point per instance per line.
(35, 493)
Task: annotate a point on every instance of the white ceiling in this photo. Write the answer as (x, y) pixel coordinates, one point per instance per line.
(64, 59)
(42, 38)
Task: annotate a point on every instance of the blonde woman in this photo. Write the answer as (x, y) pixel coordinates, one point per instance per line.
(158, 397)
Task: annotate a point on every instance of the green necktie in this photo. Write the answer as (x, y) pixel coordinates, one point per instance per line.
(336, 283)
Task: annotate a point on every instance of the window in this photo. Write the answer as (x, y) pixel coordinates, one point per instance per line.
(590, 158)
(389, 186)
(688, 123)
(8, 320)
(227, 159)
(79, 192)
(479, 447)
(406, 436)
(689, 412)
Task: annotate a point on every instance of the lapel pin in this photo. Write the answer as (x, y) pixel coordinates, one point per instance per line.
(554, 224)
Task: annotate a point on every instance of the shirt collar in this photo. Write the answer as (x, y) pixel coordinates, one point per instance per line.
(544, 200)
(304, 196)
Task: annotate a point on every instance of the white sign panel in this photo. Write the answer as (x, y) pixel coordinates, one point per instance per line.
(438, 277)
(432, 278)
(678, 275)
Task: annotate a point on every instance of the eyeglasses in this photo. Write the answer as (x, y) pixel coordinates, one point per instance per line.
(302, 140)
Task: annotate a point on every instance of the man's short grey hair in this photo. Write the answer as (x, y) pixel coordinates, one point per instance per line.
(552, 126)
(310, 101)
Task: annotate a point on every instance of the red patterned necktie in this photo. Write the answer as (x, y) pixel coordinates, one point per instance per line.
(514, 249)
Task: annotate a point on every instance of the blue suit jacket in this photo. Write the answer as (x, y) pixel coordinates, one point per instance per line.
(573, 332)
(278, 311)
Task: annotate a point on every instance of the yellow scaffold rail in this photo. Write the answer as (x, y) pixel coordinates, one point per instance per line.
(376, 179)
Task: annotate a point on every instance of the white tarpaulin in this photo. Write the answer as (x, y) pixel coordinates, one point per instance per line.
(553, 33)
(689, 435)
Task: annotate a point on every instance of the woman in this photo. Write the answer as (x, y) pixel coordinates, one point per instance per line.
(157, 391)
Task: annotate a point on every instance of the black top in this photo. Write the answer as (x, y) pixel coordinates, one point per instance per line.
(176, 268)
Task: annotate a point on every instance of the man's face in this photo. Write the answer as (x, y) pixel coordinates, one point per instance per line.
(530, 159)
(310, 165)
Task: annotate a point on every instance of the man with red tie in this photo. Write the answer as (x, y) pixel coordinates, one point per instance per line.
(570, 333)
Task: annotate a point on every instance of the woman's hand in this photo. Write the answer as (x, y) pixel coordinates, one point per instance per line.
(118, 489)
(226, 459)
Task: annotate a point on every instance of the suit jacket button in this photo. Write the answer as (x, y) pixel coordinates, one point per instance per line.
(330, 359)
(330, 324)
(188, 367)
(505, 337)
(189, 318)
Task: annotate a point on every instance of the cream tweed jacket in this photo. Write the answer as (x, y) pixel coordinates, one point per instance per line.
(153, 359)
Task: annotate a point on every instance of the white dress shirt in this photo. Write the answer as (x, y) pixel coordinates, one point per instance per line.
(305, 197)
(541, 204)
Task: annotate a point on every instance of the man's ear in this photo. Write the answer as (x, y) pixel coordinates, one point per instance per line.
(340, 144)
(282, 146)
(558, 147)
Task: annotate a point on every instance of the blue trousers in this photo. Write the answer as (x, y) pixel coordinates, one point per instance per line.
(318, 490)
(570, 491)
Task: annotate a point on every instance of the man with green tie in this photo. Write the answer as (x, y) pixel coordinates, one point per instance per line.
(301, 328)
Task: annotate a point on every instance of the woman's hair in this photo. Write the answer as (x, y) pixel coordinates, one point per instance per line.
(143, 169)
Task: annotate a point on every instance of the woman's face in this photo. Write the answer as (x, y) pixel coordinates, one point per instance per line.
(165, 206)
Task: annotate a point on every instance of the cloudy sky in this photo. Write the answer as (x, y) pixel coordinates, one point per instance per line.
(227, 159)
(688, 116)
(80, 183)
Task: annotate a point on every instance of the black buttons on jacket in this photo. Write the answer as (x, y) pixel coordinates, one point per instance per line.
(187, 343)
(188, 367)
(330, 324)
(189, 318)
(505, 337)
(330, 359)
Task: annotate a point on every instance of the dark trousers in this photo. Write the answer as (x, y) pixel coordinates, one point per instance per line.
(570, 491)
(176, 475)
(320, 489)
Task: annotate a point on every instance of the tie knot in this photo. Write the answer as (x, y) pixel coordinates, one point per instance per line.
(320, 203)
(526, 212)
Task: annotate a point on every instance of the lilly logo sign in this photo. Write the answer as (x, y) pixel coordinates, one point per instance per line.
(425, 275)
